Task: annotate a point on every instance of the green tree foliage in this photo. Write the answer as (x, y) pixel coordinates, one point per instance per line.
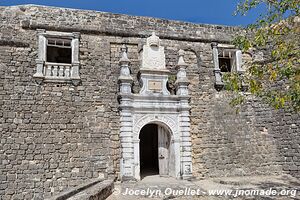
(276, 32)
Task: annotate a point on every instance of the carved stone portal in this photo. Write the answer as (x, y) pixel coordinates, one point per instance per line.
(154, 105)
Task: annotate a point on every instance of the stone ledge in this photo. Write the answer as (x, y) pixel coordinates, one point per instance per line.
(94, 189)
(97, 192)
(26, 24)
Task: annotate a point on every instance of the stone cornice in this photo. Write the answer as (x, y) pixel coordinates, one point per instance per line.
(95, 31)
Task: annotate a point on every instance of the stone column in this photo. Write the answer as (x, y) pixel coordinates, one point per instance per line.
(218, 82)
(184, 117)
(126, 131)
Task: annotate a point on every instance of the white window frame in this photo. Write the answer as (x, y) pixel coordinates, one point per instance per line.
(235, 57)
(236, 62)
(57, 72)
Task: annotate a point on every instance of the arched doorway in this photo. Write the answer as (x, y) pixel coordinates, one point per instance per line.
(156, 152)
(149, 150)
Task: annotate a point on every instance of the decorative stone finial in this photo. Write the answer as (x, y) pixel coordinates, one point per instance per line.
(124, 58)
(123, 48)
(125, 78)
(181, 52)
(214, 44)
(181, 61)
(182, 81)
(153, 40)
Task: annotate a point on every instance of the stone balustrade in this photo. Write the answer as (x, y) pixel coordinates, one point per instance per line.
(58, 70)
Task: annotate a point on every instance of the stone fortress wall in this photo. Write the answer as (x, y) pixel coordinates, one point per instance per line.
(57, 135)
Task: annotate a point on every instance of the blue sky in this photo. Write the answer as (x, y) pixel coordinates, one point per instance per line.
(197, 11)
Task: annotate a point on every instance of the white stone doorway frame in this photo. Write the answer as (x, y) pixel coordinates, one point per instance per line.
(172, 129)
(154, 104)
(172, 113)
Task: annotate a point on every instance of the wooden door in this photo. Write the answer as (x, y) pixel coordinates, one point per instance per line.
(163, 151)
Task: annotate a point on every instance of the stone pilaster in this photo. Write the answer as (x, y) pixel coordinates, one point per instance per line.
(127, 147)
(184, 117)
(186, 144)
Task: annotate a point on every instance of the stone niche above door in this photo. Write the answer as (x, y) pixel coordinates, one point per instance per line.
(155, 105)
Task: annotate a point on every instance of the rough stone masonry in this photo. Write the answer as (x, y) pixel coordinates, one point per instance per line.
(56, 134)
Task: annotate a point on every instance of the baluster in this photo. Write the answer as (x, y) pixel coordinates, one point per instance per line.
(67, 72)
(61, 71)
(48, 71)
(54, 71)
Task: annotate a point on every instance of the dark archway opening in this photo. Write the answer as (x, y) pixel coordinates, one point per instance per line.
(149, 150)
